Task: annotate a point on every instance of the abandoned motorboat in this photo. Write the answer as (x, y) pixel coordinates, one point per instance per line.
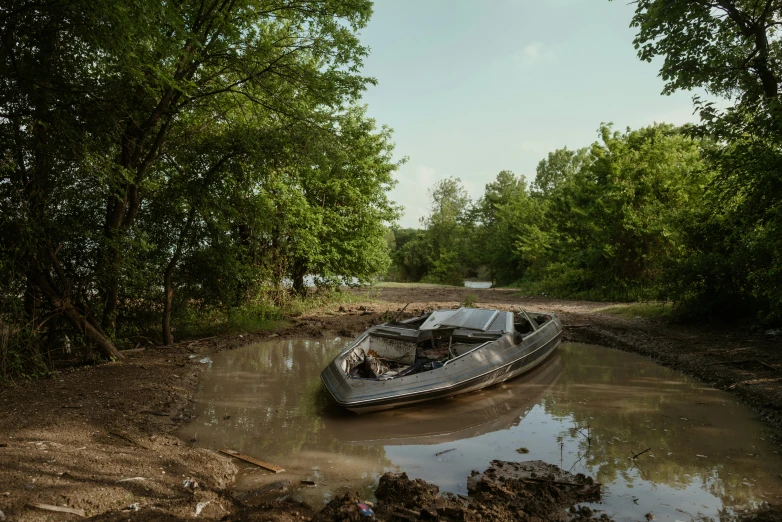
(439, 354)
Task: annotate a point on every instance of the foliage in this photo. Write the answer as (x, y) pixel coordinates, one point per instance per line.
(469, 301)
(159, 160)
(731, 48)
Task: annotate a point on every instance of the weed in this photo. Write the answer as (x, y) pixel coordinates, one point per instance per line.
(469, 301)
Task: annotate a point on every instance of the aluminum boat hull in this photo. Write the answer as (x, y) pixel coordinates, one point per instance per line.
(492, 363)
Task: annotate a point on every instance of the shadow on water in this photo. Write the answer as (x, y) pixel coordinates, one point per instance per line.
(708, 456)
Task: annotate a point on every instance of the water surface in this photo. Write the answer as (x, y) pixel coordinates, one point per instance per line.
(588, 409)
(477, 284)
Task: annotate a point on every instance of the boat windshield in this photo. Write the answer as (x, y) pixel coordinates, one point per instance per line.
(468, 318)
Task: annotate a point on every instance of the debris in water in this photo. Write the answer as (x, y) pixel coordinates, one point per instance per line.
(365, 510)
(252, 460)
(523, 451)
(636, 455)
(443, 452)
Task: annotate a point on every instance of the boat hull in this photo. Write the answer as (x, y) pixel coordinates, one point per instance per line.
(493, 363)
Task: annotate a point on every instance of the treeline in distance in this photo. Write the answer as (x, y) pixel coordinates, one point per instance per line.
(691, 215)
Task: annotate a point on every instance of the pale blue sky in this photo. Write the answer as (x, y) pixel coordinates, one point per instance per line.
(472, 87)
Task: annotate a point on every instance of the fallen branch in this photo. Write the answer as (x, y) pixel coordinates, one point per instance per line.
(636, 455)
(253, 460)
(60, 509)
(444, 451)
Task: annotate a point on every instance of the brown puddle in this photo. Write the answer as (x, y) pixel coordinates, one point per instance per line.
(708, 456)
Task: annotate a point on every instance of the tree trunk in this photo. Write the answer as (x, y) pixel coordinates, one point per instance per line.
(168, 301)
(299, 271)
(76, 318)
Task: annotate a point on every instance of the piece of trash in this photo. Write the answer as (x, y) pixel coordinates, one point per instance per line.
(200, 507)
(2, 516)
(365, 510)
(701, 456)
(523, 451)
(252, 460)
(443, 452)
(775, 331)
(133, 507)
(308, 483)
(131, 479)
(190, 483)
(60, 509)
(649, 516)
(205, 360)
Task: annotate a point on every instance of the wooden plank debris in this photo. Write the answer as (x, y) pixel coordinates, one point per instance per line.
(253, 460)
(60, 509)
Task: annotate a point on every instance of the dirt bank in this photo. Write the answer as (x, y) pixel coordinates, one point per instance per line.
(98, 438)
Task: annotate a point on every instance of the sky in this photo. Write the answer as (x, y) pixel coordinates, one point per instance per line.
(473, 87)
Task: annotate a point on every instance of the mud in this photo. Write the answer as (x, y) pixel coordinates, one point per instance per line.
(70, 440)
(506, 491)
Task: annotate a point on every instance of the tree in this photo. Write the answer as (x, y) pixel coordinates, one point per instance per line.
(448, 227)
(94, 96)
(731, 48)
(557, 168)
(502, 213)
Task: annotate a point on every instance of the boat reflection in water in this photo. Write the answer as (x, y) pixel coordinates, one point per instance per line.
(446, 420)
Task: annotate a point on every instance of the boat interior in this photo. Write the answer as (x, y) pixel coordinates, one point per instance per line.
(431, 341)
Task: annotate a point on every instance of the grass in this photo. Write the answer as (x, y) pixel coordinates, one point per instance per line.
(389, 284)
(646, 310)
(256, 317)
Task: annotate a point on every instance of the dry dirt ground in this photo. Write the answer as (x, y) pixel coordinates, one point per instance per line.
(98, 439)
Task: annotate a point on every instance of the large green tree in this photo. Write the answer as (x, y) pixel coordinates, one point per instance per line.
(98, 103)
(730, 48)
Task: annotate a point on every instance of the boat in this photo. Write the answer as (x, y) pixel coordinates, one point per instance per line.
(438, 355)
(449, 420)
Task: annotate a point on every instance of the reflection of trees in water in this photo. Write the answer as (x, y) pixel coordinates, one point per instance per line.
(267, 400)
(627, 402)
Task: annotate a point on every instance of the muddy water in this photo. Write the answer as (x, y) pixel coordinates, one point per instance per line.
(588, 409)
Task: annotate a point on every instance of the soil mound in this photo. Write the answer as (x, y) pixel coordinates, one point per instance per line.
(506, 491)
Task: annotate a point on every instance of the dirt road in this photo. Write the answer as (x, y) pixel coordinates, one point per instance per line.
(98, 439)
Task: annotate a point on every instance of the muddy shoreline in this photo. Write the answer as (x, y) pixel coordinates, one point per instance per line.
(99, 438)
